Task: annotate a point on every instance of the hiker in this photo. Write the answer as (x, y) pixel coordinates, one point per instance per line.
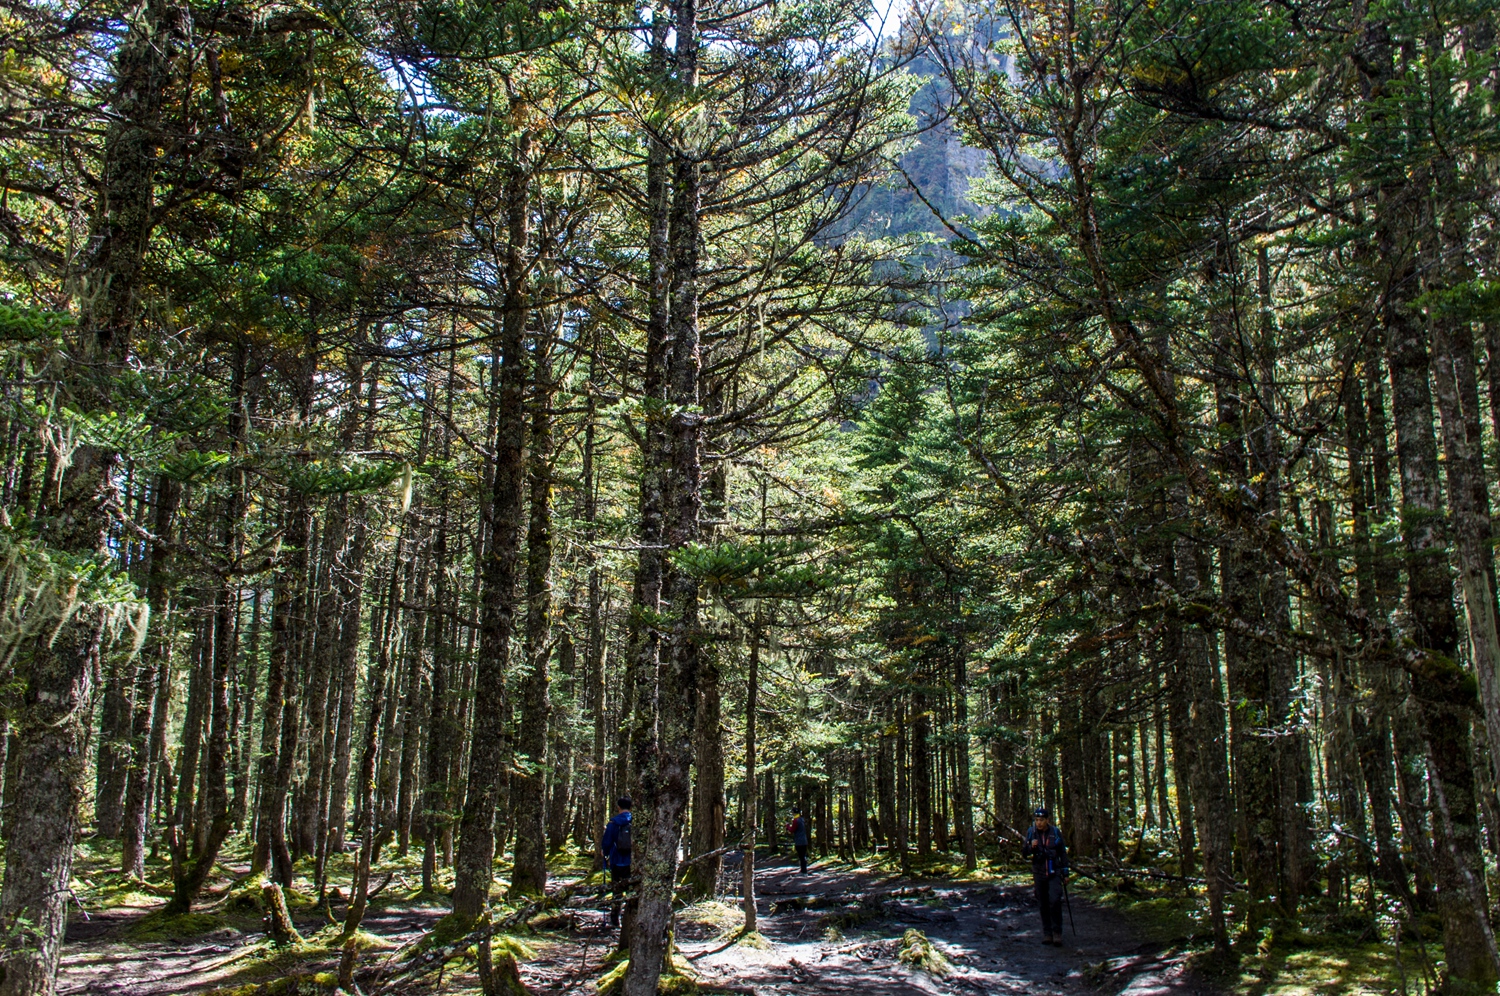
(1049, 863)
(798, 831)
(615, 848)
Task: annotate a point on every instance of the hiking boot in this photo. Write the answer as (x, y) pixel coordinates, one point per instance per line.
(1046, 938)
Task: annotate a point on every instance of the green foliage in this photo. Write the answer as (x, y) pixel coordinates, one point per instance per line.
(21, 324)
(343, 476)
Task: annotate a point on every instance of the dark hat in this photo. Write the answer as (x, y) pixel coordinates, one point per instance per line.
(1041, 813)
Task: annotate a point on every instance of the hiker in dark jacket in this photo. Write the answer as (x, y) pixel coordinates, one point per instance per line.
(1049, 863)
(800, 839)
(615, 847)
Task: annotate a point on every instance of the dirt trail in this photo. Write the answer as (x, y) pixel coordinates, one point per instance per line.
(988, 933)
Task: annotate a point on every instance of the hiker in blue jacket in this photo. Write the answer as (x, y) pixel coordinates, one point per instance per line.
(800, 839)
(615, 847)
(1049, 863)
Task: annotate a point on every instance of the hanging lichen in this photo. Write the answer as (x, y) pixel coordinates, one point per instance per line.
(42, 590)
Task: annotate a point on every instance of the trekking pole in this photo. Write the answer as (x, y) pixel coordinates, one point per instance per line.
(1069, 901)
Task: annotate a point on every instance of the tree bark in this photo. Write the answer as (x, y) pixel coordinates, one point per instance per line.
(155, 661)
(666, 783)
(1444, 695)
(963, 796)
(708, 783)
(1469, 508)
(473, 870)
(752, 705)
(1197, 698)
(529, 786)
(48, 725)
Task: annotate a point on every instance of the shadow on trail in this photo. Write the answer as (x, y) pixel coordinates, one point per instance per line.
(832, 932)
(835, 932)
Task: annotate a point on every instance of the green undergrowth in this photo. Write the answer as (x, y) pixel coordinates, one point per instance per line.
(454, 927)
(1345, 952)
(566, 863)
(943, 865)
(1160, 916)
(1324, 966)
(99, 884)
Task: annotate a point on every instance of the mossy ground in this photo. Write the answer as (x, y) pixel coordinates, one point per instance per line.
(1348, 953)
(161, 926)
(722, 917)
(680, 980)
(1324, 968)
(918, 952)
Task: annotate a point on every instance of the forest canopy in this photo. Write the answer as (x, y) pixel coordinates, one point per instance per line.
(424, 424)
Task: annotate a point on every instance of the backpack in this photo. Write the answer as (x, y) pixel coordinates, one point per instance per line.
(622, 840)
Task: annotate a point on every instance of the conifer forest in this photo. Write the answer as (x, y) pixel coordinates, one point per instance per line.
(839, 430)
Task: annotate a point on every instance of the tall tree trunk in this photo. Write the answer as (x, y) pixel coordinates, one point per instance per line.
(155, 660)
(921, 764)
(188, 882)
(529, 873)
(885, 785)
(903, 791)
(443, 733)
(110, 757)
(309, 810)
(665, 783)
(411, 706)
(1250, 665)
(244, 734)
(1469, 505)
(708, 783)
(48, 724)
(709, 804)
(559, 746)
(1442, 691)
(352, 596)
(963, 795)
(287, 629)
(752, 705)
(473, 870)
(1198, 699)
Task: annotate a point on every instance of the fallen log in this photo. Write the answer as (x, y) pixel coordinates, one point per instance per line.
(1098, 874)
